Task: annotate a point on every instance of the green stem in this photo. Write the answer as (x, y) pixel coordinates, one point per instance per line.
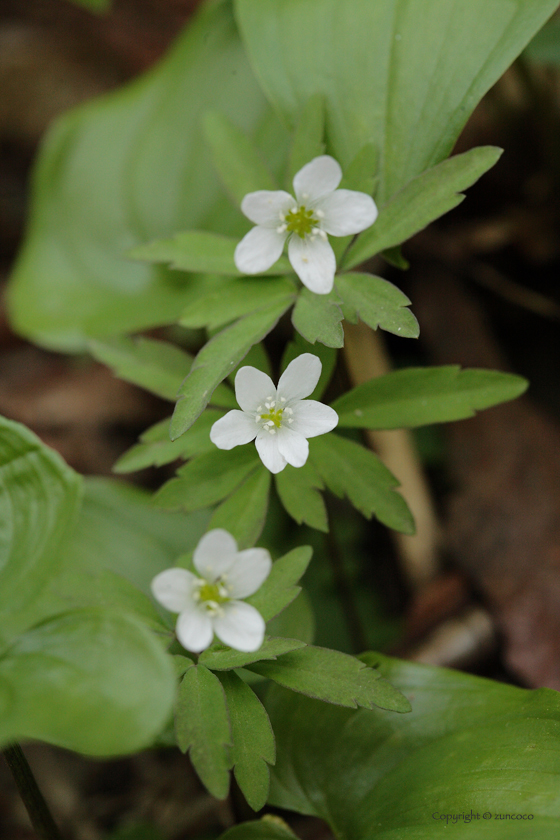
(37, 808)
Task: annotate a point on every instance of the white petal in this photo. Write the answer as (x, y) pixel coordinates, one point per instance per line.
(172, 588)
(248, 573)
(300, 377)
(314, 263)
(241, 627)
(215, 554)
(252, 388)
(266, 207)
(194, 629)
(293, 447)
(267, 447)
(312, 418)
(233, 429)
(320, 176)
(258, 250)
(347, 212)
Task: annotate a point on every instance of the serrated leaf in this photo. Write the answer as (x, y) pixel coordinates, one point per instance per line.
(334, 677)
(156, 449)
(207, 479)
(279, 589)
(202, 728)
(417, 396)
(298, 491)
(157, 366)
(89, 680)
(197, 251)
(349, 469)
(217, 359)
(468, 744)
(308, 138)
(318, 317)
(378, 303)
(39, 501)
(243, 513)
(221, 658)
(253, 740)
(234, 300)
(424, 199)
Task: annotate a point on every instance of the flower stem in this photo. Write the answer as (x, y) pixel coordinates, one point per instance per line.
(37, 808)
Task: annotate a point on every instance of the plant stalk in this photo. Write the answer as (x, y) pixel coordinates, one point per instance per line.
(38, 810)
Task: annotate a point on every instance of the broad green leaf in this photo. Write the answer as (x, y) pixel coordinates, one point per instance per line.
(156, 449)
(326, 355)
(236, 159)
(125, 169)
(218, 358)
(334, 677)
(308, 138)
(318, 317)
(243, 513)
(270, 827)
(253, 740)
(280, 589)
(468, 744)
(378, 303)
(207, 479)
(298, 491)
(202, 728)
(234, 299)
(416, 396)
(221, 658)
(545, 46)
(424, 199)
(39, 501)
(400, 74)
(349, 469)
(90, 680)
(198, 251)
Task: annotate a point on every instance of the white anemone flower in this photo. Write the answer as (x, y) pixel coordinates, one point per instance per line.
(318, 209)
(279, 420)
(211, 603)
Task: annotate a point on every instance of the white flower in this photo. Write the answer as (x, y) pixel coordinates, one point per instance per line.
(210, 604)
(318, 208)
(279, 420)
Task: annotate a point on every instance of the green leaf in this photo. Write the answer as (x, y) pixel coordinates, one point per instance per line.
(318, 317)
(253, 740)
(307, 142)
(202, 728)
(270, 827)
(156, 449)
(157, 366)
(468, 744)
(298, 491)
(207, 479)
(235, 157)
(198, 251)
(378, 303)
(334, 677)
(38, 505)
(424, 199)
(296, 621)
(417, 396)
(349, 469)
(243, 513)
(218, 358)
(91, 680)
(402, 75)
(279, 589)
(128, 168)
(234, 299)
(545, 46)
(222, 658)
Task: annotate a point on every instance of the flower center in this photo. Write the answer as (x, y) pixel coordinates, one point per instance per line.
(272, 418)
(210, 596)
(301, 221)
